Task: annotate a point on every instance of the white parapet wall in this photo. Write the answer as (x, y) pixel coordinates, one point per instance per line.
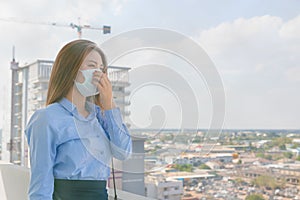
(14, 182)
(122, 195)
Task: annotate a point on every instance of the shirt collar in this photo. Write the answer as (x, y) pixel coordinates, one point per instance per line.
(69, 106)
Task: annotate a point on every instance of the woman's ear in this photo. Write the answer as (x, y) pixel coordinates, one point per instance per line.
(79, 77)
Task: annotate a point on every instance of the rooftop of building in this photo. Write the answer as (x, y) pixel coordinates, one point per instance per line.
(181, 175)
(205, 155)
(51, 62)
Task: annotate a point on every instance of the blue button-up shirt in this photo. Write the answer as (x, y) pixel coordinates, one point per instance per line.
(65, 145)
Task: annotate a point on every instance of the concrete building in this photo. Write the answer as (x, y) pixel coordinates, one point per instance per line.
(188, 177)
(158, 187)
(197, 159)
(11, 141)
(129, 174)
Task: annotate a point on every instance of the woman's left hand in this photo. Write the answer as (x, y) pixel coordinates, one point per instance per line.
(103, 84)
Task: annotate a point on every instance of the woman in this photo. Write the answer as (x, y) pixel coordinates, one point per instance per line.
(73, 139)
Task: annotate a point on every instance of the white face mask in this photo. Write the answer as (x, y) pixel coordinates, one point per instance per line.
(87, 88)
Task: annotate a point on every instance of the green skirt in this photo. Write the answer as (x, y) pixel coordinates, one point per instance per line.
(79, 190)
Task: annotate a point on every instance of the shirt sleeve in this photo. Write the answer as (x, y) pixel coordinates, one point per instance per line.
(41, 140)
(117, 132)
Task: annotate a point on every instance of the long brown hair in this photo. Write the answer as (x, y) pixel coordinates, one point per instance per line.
(66, 66)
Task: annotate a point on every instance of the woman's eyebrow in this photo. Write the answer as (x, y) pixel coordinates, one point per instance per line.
(93, 61)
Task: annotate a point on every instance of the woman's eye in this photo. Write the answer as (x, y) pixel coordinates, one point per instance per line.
(93, 66)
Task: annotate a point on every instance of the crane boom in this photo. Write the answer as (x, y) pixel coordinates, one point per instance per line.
(105, 29)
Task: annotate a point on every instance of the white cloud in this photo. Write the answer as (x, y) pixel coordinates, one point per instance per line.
(263, 53)
(293, 74)
(118, 6)
(239, 34)
(255, 43)
(291, 29)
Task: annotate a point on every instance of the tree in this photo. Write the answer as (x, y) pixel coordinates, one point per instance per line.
(184, 167)
(255, 197)
(282, 147)
(263, 155)
(240, 181)
(204, 166)
(269, 157)
(280, 142)
(295, 146)
(260, 155)
(288, 154)
(266, 181)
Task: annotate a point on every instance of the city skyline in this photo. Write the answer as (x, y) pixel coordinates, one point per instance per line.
(253, 44)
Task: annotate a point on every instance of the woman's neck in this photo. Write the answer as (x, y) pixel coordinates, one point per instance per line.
(77, 99)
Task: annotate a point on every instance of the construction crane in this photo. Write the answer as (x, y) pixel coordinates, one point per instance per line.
(105, 29)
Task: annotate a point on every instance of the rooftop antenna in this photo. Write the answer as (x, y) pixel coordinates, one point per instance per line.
(13, 64)
(13, 53)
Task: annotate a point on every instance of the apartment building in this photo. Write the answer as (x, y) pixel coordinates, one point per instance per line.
(158, 187)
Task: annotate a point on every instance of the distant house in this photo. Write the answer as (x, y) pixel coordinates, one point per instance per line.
(159, 188)
(294, 151)
(198, 158)
(215, 164)
(296, 140)
(261, 143)
(262, 161)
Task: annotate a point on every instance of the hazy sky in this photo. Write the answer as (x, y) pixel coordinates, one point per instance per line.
(254, 45)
